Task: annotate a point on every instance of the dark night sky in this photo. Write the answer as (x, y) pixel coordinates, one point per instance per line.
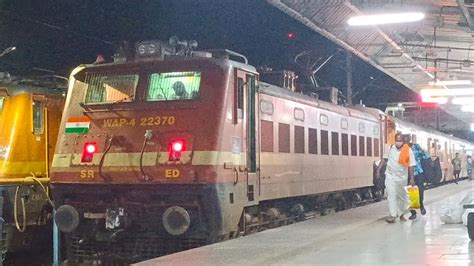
(59, 35)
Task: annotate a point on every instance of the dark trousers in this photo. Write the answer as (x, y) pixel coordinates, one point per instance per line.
(420, 183)
(456, 175)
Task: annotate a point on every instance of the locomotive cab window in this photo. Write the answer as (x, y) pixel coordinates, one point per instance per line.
(103, 88)
(174, 86)
(37, 117)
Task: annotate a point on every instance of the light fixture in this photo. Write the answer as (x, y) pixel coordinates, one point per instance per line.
(447, 92)
(381, 19)
(463, 101)
(467, 108)
(472, 127)
(449, 82)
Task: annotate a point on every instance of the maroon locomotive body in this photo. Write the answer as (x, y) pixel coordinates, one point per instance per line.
(165, 153)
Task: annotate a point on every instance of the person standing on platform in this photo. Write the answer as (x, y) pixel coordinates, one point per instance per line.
(420, 155)
(400, 161)
(469, 167)
(456, 167)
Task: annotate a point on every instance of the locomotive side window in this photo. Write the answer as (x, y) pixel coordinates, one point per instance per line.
(361, 146)
(299, 139)
(266, 136)
(353, 145)
(37, 117)
(335, 143)
(369, 146)
(376, 148)
(240, 96)
(312, 141)
(283, 138)
(324, 142)
(104, 88)
(345, 144)
(174, 86)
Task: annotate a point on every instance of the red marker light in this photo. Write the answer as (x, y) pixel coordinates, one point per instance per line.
(90, 148)
(175, 149)
(177, 146)
(290, 35)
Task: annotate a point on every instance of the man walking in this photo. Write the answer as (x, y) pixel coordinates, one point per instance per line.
(419, 154)
(400, 163)
(456, 167)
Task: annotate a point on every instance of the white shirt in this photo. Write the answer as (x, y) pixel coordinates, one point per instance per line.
(395, 171)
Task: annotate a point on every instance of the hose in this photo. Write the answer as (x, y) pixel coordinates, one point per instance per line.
(101, 163)
(23, 208)
(21, 229)
(148, 136)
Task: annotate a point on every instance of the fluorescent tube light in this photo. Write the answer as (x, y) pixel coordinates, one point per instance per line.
(449, 82)
(381, 19)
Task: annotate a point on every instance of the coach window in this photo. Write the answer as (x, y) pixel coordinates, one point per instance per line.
(361, 146)
(324, 142)
(335, 143)
(174, 86)
(345, 144)
(312, 141)
(299, 139)
(283, 138)
(105, 88)
(353, 145)
(369, 146)
(376, 148)
(37, 117)
(266, 135)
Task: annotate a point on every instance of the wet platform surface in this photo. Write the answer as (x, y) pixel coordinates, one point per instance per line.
(357, 236)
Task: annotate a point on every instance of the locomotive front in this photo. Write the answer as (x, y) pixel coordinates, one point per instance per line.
(131, 176)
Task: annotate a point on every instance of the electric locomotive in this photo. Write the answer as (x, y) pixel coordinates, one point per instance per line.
(30, 113)
(176, 148)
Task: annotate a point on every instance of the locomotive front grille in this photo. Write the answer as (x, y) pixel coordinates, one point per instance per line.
(127, 250)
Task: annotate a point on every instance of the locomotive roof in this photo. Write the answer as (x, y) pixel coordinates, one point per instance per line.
(194, 60)
(34, 85)
(301, 98)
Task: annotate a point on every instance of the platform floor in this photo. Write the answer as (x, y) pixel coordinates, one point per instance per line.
(357, 236)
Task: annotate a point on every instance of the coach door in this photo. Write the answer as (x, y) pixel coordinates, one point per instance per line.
(246, 117)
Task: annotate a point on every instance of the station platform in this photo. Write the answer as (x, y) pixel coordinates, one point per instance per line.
(357, 236)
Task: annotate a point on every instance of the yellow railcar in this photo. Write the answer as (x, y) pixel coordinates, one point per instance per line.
(30, 113)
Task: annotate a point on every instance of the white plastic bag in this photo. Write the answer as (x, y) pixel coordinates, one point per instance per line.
(452, 211)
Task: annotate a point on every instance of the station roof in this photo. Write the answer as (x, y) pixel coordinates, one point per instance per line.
(441, 46)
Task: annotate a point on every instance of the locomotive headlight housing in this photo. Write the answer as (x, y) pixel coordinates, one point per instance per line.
(176, 147)
(176, 220)
(67, 218)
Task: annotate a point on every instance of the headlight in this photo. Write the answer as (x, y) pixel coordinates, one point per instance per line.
(176, 220)
(67, 218)
(3, 152)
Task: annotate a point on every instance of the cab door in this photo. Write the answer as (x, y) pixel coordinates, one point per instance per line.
(246, 120)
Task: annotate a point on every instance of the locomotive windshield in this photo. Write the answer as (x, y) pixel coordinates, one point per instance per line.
(105, 88)
(174, 86)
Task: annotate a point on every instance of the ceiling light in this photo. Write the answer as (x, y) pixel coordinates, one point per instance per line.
(385, 19)
(447, 92)
(449, 82)
(463, 101)
(467, 108)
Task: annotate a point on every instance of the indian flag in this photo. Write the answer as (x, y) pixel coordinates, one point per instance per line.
(78, 125)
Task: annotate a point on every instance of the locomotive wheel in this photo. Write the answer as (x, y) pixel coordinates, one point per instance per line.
(470, 225)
